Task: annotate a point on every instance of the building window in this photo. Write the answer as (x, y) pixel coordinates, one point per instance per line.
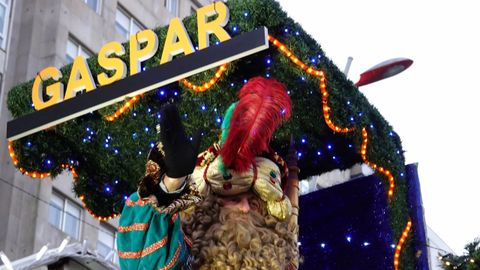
(94, 5)
(74, 49)
(126, 25)
(65, 215)
(172, 6)
(4, 15)
(106, 241)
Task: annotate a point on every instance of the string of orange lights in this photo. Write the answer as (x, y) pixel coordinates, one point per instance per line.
(197, 88)
(317, 73)
(33, 174)
(401, 242)
(101, 218)
(209, 84)
(123, 109)
(374, 166)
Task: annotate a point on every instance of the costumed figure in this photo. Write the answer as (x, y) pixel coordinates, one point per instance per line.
(224, 208)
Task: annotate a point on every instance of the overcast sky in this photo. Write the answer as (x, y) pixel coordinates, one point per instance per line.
(433, 105)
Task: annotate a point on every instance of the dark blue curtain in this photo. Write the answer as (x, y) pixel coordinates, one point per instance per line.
(415, 206)
(346, 227)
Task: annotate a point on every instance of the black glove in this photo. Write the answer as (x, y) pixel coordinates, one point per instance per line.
(180, 152)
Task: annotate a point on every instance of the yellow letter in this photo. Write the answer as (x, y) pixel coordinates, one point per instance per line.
(55, 91)
(137, 55)
(172, 47)
(205, 28)
(111, 63)
(80, 78)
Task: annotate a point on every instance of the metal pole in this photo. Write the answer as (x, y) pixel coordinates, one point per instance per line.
(347, 66)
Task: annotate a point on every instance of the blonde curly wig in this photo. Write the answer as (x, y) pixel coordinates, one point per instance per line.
(229, 240)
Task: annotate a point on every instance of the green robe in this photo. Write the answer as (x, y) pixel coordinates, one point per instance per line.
(148, 239)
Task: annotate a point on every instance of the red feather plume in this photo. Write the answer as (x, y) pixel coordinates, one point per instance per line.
(263, 105)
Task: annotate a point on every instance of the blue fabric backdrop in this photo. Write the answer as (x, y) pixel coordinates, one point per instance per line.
(346, 227)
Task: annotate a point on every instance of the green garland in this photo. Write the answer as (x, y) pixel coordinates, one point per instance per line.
(470, 260)
(109, 157)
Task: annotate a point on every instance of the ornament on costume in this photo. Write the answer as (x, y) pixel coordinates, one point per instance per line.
(263, 105)
(244, 161)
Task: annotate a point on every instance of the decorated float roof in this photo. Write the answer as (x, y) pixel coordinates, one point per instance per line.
(333, 124)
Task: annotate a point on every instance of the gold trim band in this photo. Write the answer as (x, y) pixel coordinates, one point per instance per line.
(174, 258)
(142, 253)
(133, 227)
